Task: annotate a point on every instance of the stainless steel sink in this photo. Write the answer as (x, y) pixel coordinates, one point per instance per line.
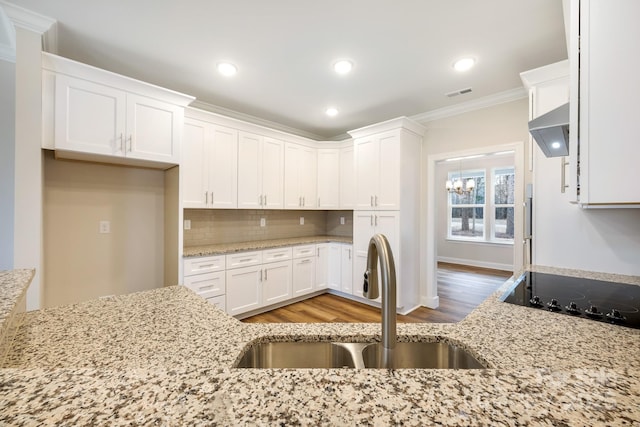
(296, 355)
(427, 355)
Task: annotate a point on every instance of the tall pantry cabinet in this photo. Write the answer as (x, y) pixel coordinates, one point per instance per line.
(387, 201)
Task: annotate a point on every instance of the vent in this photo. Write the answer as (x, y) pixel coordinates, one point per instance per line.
(459, 92)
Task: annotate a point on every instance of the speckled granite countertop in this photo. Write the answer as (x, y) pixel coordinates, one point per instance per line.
(165, 357)
(226, 248)
(13, 288)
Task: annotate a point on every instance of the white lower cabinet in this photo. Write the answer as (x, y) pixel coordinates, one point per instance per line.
(304, 270)
(206, 277)
(244, 289)
(258, 279)
(346, 268)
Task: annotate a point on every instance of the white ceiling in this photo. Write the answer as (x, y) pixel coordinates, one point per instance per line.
(403, 51)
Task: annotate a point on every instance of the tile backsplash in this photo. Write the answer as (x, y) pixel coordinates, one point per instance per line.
(214, 226)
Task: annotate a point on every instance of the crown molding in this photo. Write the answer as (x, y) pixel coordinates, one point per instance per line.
(31, 21)
(549, 72)
(254, 120)
(476, 104)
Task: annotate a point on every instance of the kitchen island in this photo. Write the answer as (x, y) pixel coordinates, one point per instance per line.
(166, 357)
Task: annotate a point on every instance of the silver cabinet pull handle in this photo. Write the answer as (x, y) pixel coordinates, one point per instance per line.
(260, 200)
(121, 142)
(318, 201)
(265, 200)
(203, 288)
(376, 200)
(130, 142)
(563, 167)
(349, 250)
(376, 220)
(371, 220)
(303, 201)
(265, 274)
(206, 197)
(212, 197)
(371, 202)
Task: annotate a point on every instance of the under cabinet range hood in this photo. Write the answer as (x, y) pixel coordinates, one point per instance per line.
(551, 131)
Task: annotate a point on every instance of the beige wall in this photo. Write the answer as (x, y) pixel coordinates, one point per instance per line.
(213, 226)
(501, 124)
(80, 263)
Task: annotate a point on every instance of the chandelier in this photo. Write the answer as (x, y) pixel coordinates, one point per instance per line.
(458, 186)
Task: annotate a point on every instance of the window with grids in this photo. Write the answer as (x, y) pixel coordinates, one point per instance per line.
(487, 212)
(467, 210)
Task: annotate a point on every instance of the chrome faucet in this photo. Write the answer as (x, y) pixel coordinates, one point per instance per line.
(379, 248)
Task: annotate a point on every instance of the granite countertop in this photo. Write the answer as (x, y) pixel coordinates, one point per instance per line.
(255, 245)
(165, 357)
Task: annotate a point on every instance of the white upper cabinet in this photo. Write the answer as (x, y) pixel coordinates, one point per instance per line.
(300, 177)
(604, 101)
(377, 171)
(209, 165)
(328, 178)
(347, 180)
(93, 114)
(260, 172)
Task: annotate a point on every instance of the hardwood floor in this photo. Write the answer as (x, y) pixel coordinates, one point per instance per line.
(460, 288)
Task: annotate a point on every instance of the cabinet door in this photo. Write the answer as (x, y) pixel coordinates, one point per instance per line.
(292, 195)
(249, 171)
(194, 169)
(244, 289)
(346, 269)
(307, 177)
(276, 285)
(328, 178)
(347, 181)
(89, 117)
(609, 92)
(304, 275)
(334, 273)
(387, 223)
(366, 152)
(322, 266)
(273, 173)
(223, 168)
(363, 230)
(153, 129)
(388, 194)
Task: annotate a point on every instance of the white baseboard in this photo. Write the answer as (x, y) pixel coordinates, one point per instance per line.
(474, 263)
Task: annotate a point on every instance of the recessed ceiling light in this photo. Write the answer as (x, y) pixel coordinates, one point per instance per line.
(227, 69)
(464, 64)
(343, 66)
(331, 111)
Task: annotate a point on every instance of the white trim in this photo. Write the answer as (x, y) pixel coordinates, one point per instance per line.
(8, 37)
(430, 302)
(476, 263)
(476, 104)
(557, 70)
(255, 120)
(398, 122)
(24, 18)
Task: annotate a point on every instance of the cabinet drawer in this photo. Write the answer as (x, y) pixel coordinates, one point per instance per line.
(207, 285)
(304, 251)
(218, 302)
(201, 265)
(279, 254)
(244, 259)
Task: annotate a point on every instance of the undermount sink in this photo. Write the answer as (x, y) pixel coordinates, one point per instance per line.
(406, 355)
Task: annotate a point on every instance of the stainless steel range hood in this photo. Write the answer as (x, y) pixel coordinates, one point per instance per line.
(551, 131)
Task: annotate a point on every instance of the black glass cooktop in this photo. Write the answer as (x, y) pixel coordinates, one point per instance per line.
(597, 300)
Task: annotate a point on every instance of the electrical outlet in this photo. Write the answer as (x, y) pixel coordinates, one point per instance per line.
(187, 224)
(105, 227)
(263, 222)
(301, 220)
(341, 220)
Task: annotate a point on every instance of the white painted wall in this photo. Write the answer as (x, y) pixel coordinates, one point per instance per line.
(482, 254)
(565, 235)
(7, 154)
(28, 160)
